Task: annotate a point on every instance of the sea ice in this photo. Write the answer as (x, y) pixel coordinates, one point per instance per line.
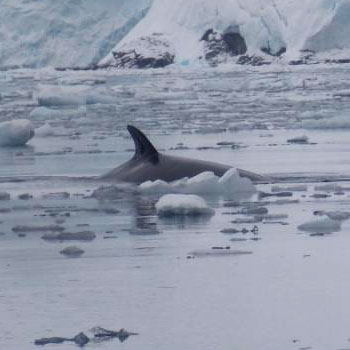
(322, 225)
(336, 215)
(182, 204)
(16, 132)
(72, 251)
(45, 130)
(217, 252)
(299, 139)
(294, 188)
(332, 122)
(44, 113)
(77, 95)
(70, 236)
(206, 182)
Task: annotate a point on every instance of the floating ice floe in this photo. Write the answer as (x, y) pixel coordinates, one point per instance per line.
(72, 251)
(71, 96)
(299, 139)
(70, 236)
(217, 252)
(330, 122)
(45, 130)
(4, 196)
(204, 183)
(16, 132)
(182, 204)
(332, 187)
(44, 113)
(322, 225)
(335, 215)
(294, 188)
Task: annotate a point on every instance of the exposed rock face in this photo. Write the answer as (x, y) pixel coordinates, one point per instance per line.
(270, 52)
(253, 60)
(306, 57)
(219, 46)
(145, 52)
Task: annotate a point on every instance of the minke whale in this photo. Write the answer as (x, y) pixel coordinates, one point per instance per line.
(149, 164)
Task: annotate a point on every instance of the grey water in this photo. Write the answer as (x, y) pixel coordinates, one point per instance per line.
(291, 292)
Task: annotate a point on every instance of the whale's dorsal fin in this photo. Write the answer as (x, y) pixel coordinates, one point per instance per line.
(143, 146)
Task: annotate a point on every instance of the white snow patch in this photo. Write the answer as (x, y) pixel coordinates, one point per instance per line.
(16, 132)
(204, 183)
(182, 204)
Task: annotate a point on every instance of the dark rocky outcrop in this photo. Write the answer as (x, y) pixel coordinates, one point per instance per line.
(152, 51)
(277, 53)
(306, 57)
(253, 60)
(219, 46)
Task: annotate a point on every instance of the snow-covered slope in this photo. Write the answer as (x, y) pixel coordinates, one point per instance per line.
(271, 25)
(64, 32)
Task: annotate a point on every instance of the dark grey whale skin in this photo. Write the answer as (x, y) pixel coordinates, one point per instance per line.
(148, 164)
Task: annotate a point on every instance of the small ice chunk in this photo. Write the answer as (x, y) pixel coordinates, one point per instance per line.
(322, 225)
(254, 211)
(299, 139)
(182, 204)
(99, 98)
(232, 182)
(210, 130)
(338, 215)
(70, 236)
(37, 228)
(328, 188)
(207, 182)
(73, 251)
(45, 130)
(44, 113)
(335, 215)
(4, 196)
(295, 188)
(16, 132)
(56, 195)
(217, 252)
(76, 95)
(107, 192)
(275, 216)
(61, 96)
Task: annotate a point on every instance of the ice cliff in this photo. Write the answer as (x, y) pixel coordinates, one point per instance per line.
(64, 32)
(215, 30)
(155, 33)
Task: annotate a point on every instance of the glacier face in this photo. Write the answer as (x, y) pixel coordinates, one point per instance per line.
(83, 32)
(271, 25)
(65, 32)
